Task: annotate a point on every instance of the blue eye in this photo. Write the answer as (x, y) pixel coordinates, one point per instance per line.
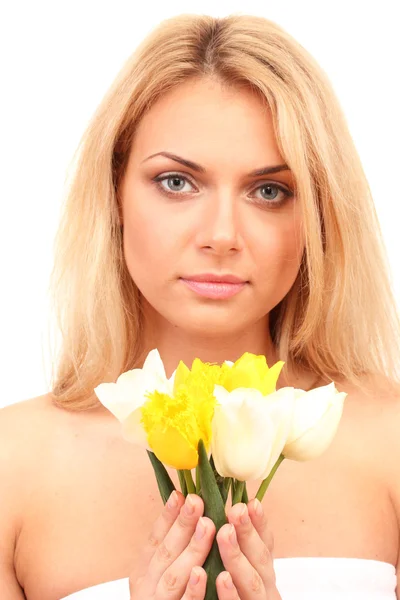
(173, 177)
(176, 178)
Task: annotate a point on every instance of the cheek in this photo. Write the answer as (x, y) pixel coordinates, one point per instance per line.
(148, 246)
(279, 258)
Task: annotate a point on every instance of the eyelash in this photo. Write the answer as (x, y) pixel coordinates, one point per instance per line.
(272, 203)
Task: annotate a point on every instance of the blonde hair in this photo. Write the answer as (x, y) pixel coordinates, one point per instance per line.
(339, 319)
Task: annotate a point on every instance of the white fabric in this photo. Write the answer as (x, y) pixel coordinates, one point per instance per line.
(301, 578)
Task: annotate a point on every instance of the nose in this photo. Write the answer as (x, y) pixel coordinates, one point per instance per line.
(219, 226)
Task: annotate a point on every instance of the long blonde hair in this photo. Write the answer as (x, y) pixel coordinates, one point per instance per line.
(340, 317)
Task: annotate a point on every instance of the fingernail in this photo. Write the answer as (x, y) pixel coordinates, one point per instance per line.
(258, 509)
(200, 529)
(189, 505)
(228, 583)
(232, 537)
(194, 576)
(173, 500)
(244, 516)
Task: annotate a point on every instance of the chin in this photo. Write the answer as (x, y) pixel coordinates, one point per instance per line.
(214, 325)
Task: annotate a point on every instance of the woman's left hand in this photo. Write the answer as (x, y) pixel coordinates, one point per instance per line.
(246, 545)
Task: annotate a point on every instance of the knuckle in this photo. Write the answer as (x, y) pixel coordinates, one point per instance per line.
(256, 584)
(265, 557)
(170, 581)
(270, 543)
(162, 552)
(153, 540)
(184, 522)
(195, 546)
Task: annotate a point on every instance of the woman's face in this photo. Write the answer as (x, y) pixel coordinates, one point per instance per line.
(215, 218)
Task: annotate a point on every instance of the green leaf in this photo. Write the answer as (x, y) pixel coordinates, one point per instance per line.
(214, 508)
(198, 484)
(164, 481)
(220, 481)
(182, 482)
(226, 488)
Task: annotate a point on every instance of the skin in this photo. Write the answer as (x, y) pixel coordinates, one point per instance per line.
(170, 563)
(223, 223)
(71, 515)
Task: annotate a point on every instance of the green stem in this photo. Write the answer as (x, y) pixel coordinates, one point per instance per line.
(245, 497)
(264, 486)
(198, 483)
(237, 496)
(191, 489)
(182, 482)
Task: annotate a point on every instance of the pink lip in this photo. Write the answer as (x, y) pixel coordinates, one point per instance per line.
(213, 289)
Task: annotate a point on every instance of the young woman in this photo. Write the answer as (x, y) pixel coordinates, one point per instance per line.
(219, 154)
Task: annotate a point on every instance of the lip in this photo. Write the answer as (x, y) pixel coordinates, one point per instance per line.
(215, 278)
(214, 289)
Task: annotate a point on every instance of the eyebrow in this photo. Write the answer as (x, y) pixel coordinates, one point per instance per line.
(196, 167)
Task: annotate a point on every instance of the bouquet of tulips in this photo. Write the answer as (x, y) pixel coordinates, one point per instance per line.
(227, 422)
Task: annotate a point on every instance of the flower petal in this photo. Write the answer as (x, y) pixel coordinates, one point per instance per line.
(310, 407)
(172, 448)
(281, 413)
(313, 442)
(242, 434)
(132, 429)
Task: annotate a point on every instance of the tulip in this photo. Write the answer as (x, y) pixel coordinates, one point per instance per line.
(176, 422)
(125, 398)
(251, 371)
(316, 418)
(249, 431)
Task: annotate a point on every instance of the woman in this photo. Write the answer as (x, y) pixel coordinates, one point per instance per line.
(220, 151)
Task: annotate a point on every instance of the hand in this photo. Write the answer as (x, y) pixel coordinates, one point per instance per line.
(246, 546)
(177, 547)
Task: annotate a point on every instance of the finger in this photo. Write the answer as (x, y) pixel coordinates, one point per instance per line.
(160, 529)
(246, 579)
(196, 587)
(174, 580)
(177, 538)
(251, 544)
(259, 520)
(226, 589)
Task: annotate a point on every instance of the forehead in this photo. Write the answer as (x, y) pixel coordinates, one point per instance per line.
(204, 117)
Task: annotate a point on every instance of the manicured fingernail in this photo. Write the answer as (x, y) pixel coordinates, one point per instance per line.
(258, 509)
(189, 505)
(244, 516)
(194, 576)
(228, 583)
(232, 537)
(200, 529)
(173, 500)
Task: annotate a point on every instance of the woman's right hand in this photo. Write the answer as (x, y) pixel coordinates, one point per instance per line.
(177, 547)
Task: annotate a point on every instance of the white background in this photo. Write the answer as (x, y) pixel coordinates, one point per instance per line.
(58, 59)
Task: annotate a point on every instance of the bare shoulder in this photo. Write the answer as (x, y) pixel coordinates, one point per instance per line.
(18, 441)
(21, 425)
(373, 429)
(33, 433)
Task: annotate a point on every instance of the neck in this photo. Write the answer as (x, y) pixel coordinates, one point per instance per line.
(175, 344)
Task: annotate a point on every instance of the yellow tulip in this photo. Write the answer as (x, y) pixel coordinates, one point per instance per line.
(251, 371)
(175, 423)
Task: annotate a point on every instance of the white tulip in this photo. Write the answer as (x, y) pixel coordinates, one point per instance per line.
(315, 421)
(125, 398)
(249, 431)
